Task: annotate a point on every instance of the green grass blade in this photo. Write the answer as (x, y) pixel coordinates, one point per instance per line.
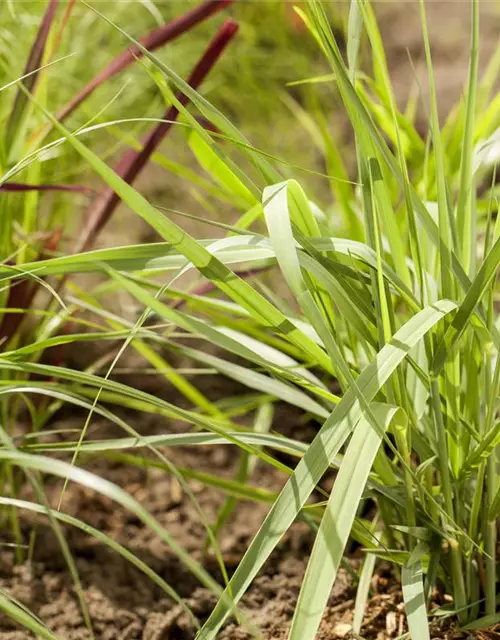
(363, 591)
(354, 33)
(27, 621)
(219, 170)
(255, 380)
(466, 223)
(363, 123)
(469, 305)
(414, 599)
(337, 522)
(445, 231)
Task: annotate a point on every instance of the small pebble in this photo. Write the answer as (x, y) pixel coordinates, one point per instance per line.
(391, 624)
(342, 629)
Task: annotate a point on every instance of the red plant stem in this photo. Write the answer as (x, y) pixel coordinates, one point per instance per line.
(153, 40)
(22, 188)
(133, 161)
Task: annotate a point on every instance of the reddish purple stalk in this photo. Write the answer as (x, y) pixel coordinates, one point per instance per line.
(153, 40)
(22, 188)
(133, 161)
(35, 60)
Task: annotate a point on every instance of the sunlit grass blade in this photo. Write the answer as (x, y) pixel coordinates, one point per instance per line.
(197, 438)
(219, 170)
(363, 591)
(354, 33)
(466, 222)
(470, 303)
(337, 522)
(414, 599)
(255, 380)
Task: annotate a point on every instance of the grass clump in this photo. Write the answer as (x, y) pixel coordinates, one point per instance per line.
(386, 336)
